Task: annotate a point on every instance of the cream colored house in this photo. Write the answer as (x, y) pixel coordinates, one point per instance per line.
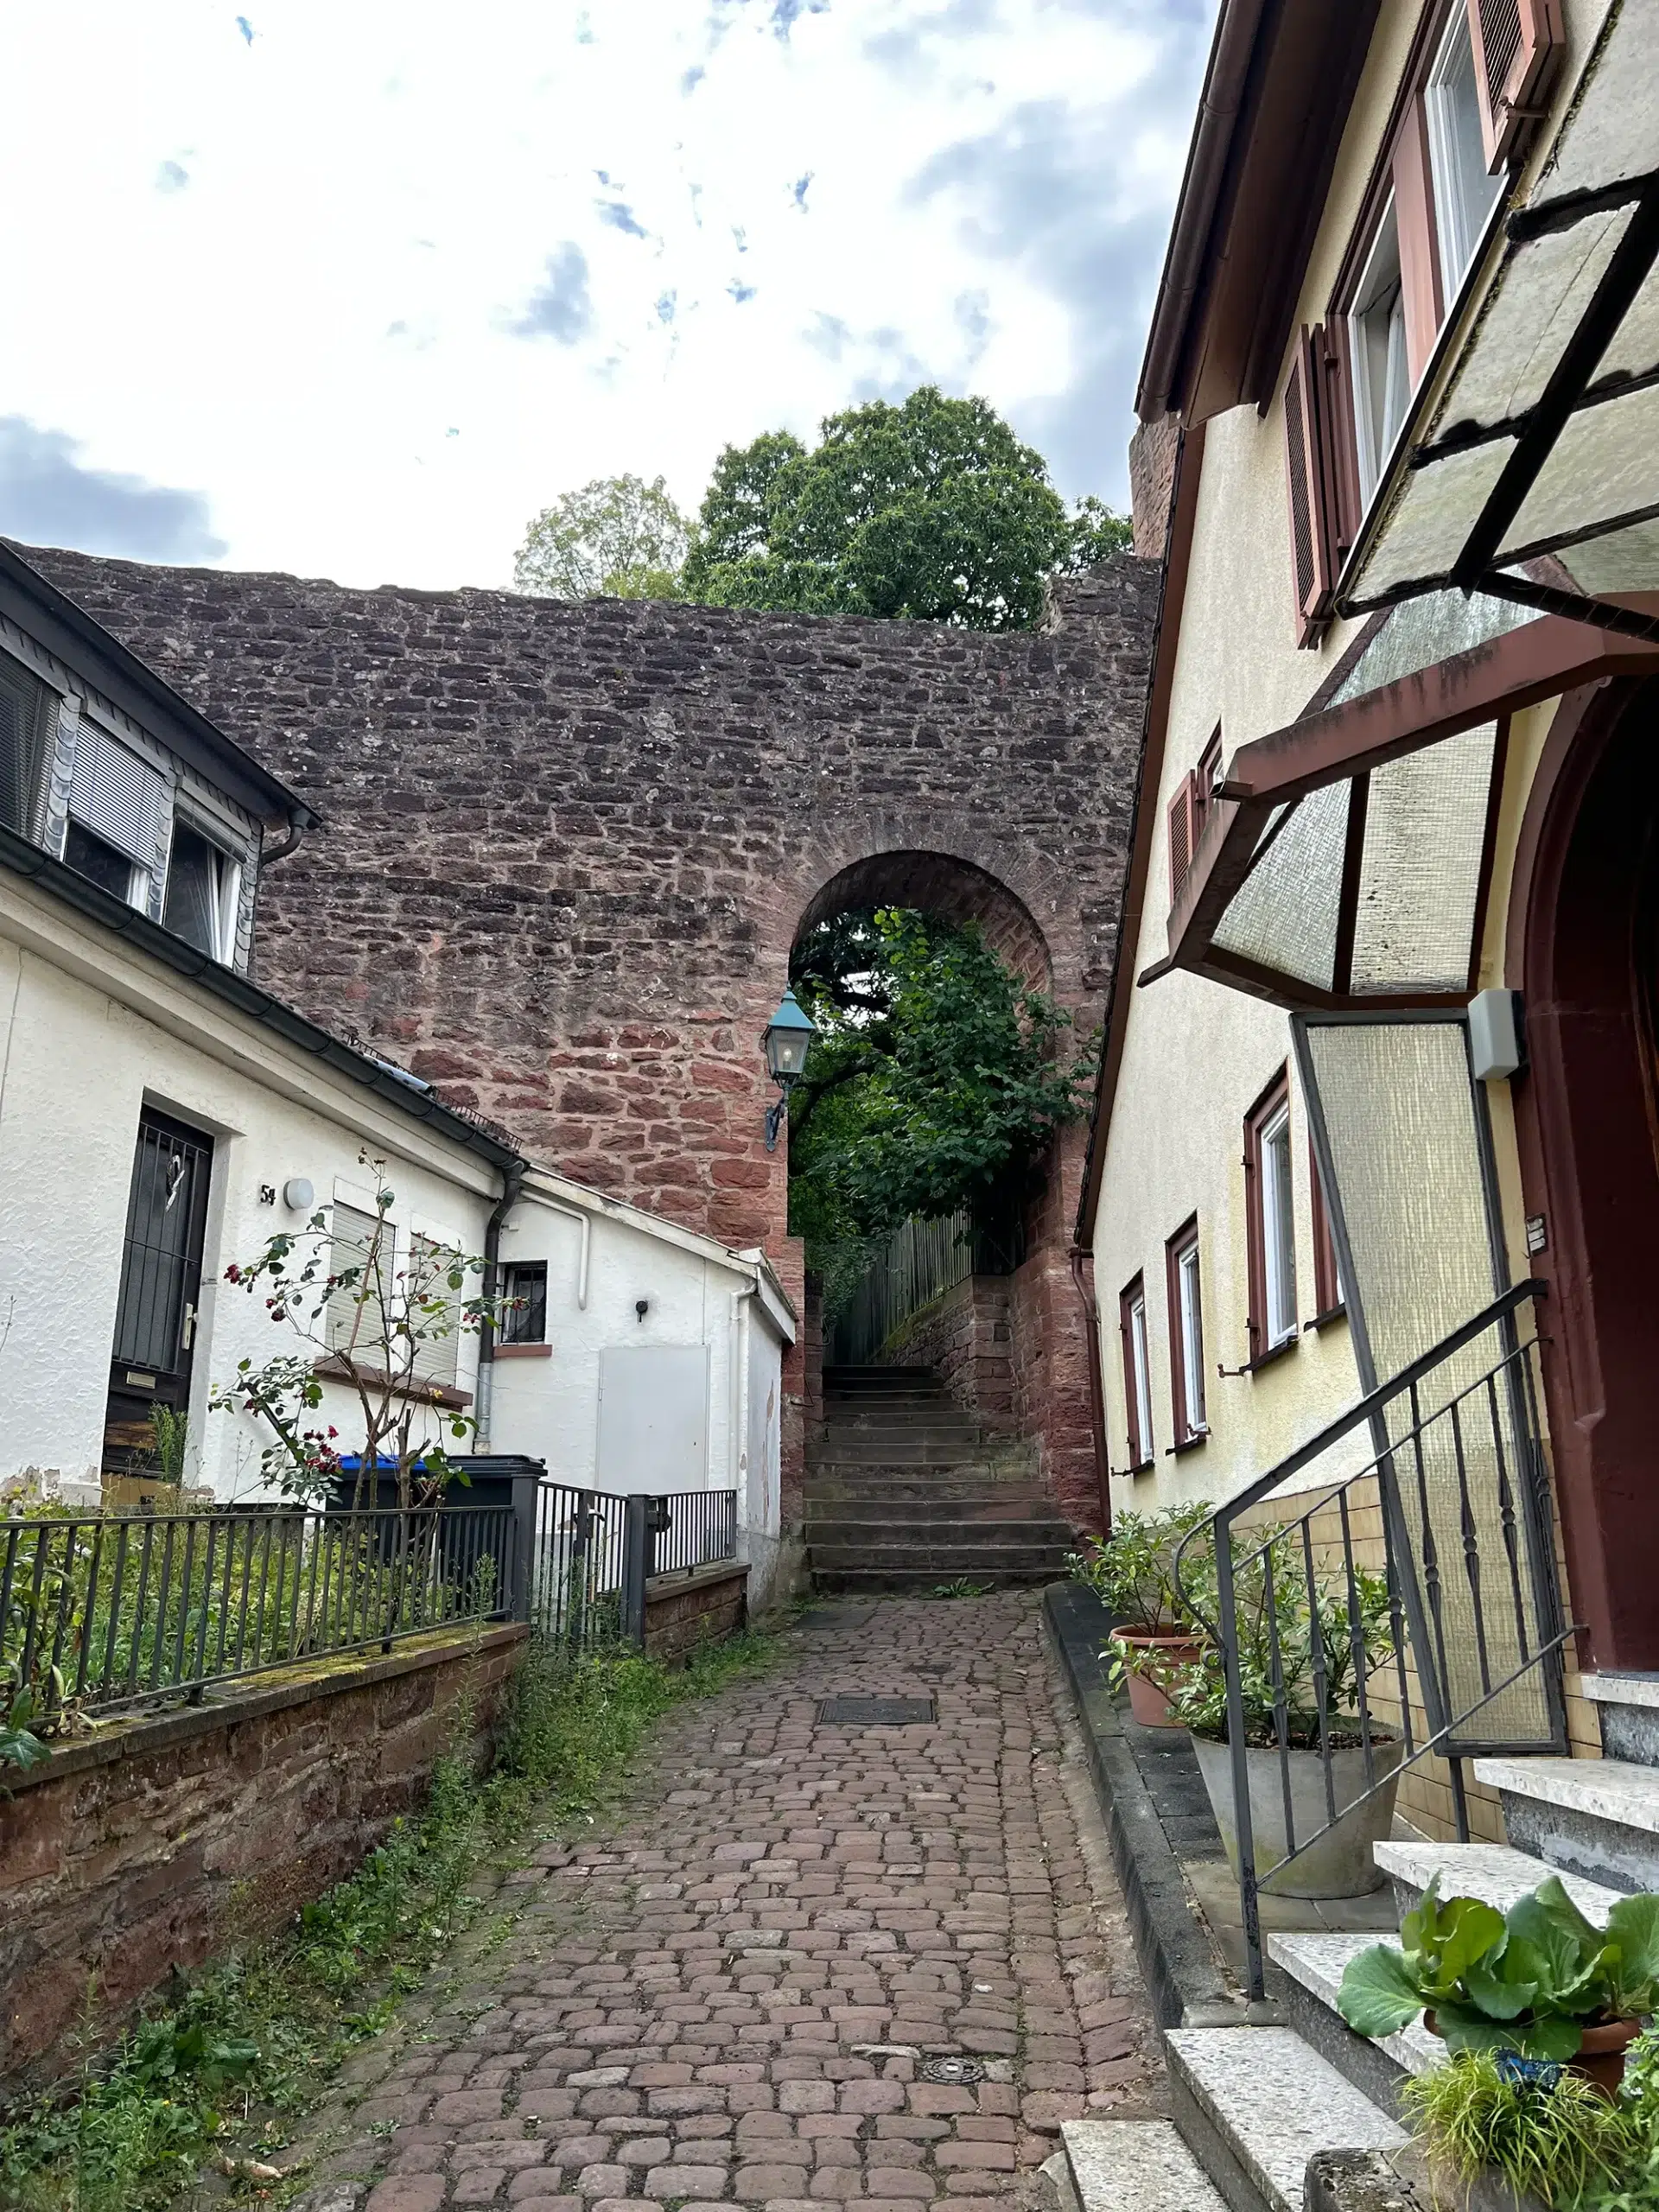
(1381, 1045)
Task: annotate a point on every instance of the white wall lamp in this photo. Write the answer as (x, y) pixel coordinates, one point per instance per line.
(786, 1041)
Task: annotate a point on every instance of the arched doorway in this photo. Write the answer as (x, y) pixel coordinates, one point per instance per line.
(1014, 1348)
(1587, 1116)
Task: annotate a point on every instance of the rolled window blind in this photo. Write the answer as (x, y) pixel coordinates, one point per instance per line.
(28, 708)
(117, 796)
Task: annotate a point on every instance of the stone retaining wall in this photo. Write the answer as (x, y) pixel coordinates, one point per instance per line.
(682, 1611)
(160, 1838)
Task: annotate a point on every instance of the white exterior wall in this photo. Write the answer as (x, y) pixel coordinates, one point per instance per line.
(90, 1032)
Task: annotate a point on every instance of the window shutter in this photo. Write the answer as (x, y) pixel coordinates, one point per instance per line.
(1311, 504)
(27, 711)
(360, 1305)
(1183, 834)
(117, 796)
(1518, 47)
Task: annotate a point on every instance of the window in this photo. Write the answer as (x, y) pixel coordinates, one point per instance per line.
(1137, 1373)
(359, 1310)
(1328, 1296)
(101, 864)
(436, 1348)
(27, 711)
(204, 892)
(1271, 1221)
(523, 1286)
(1189, 809)
(1185, 1335)
(1376, 338)
(1463, 190)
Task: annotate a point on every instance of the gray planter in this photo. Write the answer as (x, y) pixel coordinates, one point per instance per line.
(1340, 1864)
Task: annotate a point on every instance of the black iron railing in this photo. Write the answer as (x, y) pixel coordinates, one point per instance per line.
(111, 1610)
(1372, 1618)
(593, 1553)
(693, 1529)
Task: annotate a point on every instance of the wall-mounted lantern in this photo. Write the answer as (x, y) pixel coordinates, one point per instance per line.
(788, 1036)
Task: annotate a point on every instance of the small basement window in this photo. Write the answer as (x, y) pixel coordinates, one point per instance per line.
(523, 1319)
(204, 892)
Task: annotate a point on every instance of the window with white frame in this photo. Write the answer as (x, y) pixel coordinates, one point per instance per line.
(1187, 1335)
(1272, 1221)
(204, 892)
(116, 802)
(1463, 190)
(1381, 373)
(1137, 1372)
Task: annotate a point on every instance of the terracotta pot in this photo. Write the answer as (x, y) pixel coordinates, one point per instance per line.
(1148, 1704)
(1601, 2054)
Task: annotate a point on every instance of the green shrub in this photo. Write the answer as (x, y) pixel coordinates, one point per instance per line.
(1555, 2137)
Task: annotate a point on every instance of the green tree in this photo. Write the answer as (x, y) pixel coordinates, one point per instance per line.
(1097, 533)
(932, 511)
(936, 1081)
(618, 538)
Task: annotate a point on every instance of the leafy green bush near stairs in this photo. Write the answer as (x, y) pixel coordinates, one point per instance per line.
(220, 2072)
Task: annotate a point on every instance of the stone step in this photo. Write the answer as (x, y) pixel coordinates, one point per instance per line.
(934, 1419)
(918, 1449)
(1628, 1705)
(896, 1581)
(1595, 1817)
(877, 1378)
(1133, 2165)
(941, 1559)
(989, 1501)
(1494, 1872)
(920, 1516)
(1256, 2103)
(874, 1485)
(1311, 1966)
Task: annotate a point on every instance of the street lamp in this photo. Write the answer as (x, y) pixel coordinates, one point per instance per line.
(785, 1040)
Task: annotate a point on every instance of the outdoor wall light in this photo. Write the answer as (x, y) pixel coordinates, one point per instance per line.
(297, 1194)
(788, 1036)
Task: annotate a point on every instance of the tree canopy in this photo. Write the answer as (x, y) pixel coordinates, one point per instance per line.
(935, 1084)
(932, 511)
(618, 538)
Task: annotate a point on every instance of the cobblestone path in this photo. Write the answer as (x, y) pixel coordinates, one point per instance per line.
(737, 1993)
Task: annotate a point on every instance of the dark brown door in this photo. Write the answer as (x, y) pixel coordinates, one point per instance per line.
(160, 1290)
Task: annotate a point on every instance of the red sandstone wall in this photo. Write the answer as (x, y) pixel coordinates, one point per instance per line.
(154, 1844)
(964, 1337)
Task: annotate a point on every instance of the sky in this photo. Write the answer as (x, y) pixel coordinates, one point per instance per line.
(355, 287)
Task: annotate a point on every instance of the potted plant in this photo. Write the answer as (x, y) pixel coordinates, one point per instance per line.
(1540, 1982)
(1132, 1573)
(1299, 1650)
(1547, 2137)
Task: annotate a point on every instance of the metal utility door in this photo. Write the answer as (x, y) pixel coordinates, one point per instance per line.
(653, 1418)
(161, 1281)
(1400, 1130)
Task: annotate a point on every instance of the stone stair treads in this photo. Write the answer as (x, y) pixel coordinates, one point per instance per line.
(1133, 2165)
(1595, 1817)
(1255, 2103)
(1494, 1872)
(1315, 1962)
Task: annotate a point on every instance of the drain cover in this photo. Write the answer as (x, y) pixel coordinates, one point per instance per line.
(955, 2073)
(876, 1712)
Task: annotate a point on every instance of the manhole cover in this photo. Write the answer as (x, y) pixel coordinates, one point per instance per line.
(955, 2073)
(875, 1711)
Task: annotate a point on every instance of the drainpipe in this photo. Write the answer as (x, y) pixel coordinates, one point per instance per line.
(512, 1182)
(284, 846)
(1097, 1386)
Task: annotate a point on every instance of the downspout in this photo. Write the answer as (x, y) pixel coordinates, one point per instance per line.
(740, 1406)
(512, 1182)
(575, 1213)
(1097, 1386)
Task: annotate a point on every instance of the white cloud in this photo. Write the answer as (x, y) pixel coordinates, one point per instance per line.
(420, 270)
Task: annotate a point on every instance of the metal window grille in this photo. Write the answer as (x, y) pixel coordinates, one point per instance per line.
(523, 1319)
(162, 1257)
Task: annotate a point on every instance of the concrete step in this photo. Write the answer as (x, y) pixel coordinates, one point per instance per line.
(1132, 2165)
(991, 1502)
(1595, 1817)
(1494, 1872)
(1628, 1706)
(896, 1581)
(1311, 1966)
(1254, 2104)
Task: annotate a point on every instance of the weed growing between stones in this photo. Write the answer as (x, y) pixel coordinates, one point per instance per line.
(212, 2081)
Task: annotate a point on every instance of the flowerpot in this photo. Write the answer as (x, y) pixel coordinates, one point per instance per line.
(1601, 2054)
(1340, 1864)
(1148, 1703)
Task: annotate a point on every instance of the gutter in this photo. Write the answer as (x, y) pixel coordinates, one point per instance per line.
(1186, 262)
(247, 999)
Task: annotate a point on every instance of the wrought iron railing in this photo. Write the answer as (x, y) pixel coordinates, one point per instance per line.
(693, 1529)
(1363, 1616)
(113, 1609)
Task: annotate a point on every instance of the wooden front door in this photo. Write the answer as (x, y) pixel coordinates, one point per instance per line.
(160, 1290)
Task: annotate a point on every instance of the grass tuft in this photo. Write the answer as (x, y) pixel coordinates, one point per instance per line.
(1564, 2144)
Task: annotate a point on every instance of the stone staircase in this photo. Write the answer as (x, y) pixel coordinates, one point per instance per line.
(1253, 2103)
(905, 1491)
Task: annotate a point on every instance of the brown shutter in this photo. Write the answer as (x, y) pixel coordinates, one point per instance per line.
(1518, 45)
(1183, 836)
(1312, 485)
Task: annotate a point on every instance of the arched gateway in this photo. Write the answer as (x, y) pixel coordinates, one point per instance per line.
(567, 849)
